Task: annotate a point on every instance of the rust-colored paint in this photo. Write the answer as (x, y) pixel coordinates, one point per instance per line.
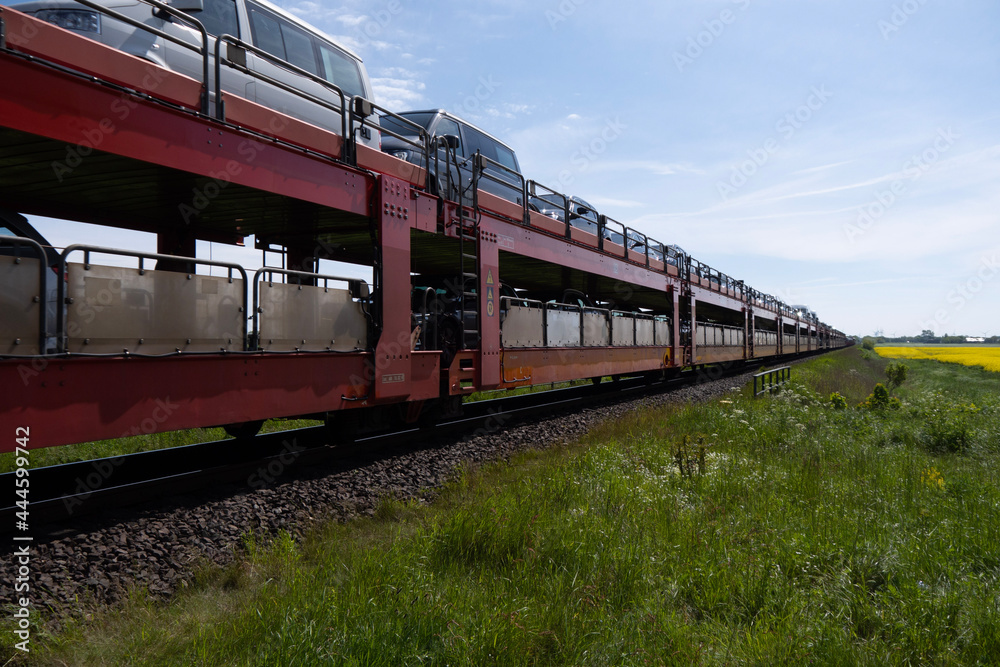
(81, 399)
(392, 354)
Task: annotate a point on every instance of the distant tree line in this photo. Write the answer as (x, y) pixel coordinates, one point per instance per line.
(926, 337)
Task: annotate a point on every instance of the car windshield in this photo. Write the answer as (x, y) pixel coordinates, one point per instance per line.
(554, 199)
(394, 125)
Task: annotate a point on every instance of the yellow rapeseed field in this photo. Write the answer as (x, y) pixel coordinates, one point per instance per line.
(987, 357)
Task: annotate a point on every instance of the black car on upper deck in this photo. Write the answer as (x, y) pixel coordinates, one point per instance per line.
(502, 174)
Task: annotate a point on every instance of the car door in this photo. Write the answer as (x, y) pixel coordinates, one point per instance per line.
(220, 17)
(486, 145)
(291, 43)
(442, 126)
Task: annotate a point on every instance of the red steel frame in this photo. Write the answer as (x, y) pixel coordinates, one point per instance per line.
(77, 399)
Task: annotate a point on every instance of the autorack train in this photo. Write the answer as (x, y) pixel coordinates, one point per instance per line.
(217, 120)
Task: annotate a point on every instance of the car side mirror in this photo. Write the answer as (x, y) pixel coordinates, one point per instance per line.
(450, 140)
(362, 107)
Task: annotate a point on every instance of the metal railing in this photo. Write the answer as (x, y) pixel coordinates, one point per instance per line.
(362, 109)
(175, 260)
(487, 168)
(164, 8)
(17, 242)
(357, 287)
(771, 380)
(611, 230)
(236, 59)
(531, 191)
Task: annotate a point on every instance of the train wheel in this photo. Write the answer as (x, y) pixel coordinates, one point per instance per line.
(342, 427)
(243, 429)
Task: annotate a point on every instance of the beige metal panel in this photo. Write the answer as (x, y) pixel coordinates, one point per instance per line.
(721, 353)
(309, 319)
(595, 329)
(643, 331)
(711, 335)
(113, 309)
(523, 327)
(622, 330)
(20, 305)
(563, 327)
(662, 331)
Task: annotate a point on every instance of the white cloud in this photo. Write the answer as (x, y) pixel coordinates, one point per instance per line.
(607, 202)
(350, 20)
(398, 94)
(655, 167)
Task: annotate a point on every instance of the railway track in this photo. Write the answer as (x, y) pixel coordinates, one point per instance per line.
(63, 494)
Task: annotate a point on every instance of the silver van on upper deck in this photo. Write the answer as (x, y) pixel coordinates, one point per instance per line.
(256, 22)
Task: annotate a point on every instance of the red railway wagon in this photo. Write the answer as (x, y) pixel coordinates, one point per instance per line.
(164, 341)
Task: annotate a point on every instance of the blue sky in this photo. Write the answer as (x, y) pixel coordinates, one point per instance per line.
(843, 154)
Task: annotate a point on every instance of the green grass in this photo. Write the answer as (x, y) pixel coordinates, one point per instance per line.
(794, 533)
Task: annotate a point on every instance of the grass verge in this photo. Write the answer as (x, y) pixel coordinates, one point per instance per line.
(785, 529)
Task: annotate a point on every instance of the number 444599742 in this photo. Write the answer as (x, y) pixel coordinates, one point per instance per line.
(21, 436)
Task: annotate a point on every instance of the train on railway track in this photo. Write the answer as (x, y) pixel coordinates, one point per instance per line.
(474, 277)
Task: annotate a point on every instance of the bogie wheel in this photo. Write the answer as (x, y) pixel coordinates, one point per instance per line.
(342, 427)
(243, 429)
